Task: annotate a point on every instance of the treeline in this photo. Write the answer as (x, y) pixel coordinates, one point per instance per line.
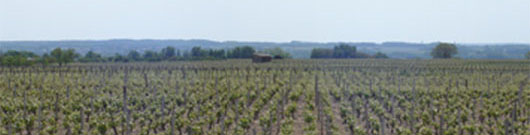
(343, 51)
(64, 56)
(171, 54)
(25, 58)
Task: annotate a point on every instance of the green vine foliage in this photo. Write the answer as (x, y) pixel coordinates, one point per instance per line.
(364, 96)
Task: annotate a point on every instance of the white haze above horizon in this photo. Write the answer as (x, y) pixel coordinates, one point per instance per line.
(461, 21)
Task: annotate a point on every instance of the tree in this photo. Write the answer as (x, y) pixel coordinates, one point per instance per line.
(319, 53)
(344, 51)
(444, 51)
(56, 54)
(15, 61)
(198, 52)
(18, 58)
(47, 59)
(277, 52)
(64, 56)
(527, 55)
(20, 53)
(168, 52)
(241, 52)
(91, 56)
(341, 51)
(134, 56)
(119, 58)
(151, 56)
(380, 55)
(69, 56)
(219, 54)
(186, 54)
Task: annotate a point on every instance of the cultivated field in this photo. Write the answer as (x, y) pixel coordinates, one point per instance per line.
(298, 97)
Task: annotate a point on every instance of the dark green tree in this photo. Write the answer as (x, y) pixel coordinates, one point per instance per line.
(57, 54)
(527, 55)
(444, 51)
(20, 53)
(46, 59)
(69, 56)
(198, 52)
(134, 56)
(380, 55)
(91, 56)
(151, 56)
(320, 53)
(64, 56)
(344, 51)
(218, 54)
(241, 52)
(186, 54)
(18, 58)
(168, 52)
(119, 58)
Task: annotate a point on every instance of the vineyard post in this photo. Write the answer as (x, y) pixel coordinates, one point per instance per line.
(248, 99)
(91, 105)
(371, 83)
(15, 92)
(353, 110)
(268, 130)
(25, 115)
(56, 109)
(67, 91)
(392, 113)
(217, 90)
(146, 80)
(413, 102)
(459, 117)
(172, 124)
(317, 103)
(518, 103)
(169, 74)
(328, 125)
(278, 115)
(528, 121)
(40, 110)
(125, 104)
(8, 126)
(385, 106)
(383, 124)
(399, 84)
(24, 94)
(9, 86)
(162, 110)
(82, 122)
(365, 114)
(236, 114)
(508, 127)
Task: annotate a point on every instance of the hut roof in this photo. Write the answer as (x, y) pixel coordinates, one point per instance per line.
(262, 55)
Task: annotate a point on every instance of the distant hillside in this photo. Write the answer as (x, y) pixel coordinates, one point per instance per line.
(296, 48)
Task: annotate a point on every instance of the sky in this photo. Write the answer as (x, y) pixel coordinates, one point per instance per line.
(462, 21)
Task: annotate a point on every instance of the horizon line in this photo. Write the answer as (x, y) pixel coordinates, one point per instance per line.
(277, 42)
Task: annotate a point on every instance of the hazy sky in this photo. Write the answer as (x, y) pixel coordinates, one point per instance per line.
(469, 21)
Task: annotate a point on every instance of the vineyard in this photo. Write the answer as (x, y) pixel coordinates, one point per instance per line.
(298, 97)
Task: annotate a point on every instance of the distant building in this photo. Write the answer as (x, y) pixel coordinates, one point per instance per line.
(261, 57)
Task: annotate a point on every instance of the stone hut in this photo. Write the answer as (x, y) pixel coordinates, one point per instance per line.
(261, 58)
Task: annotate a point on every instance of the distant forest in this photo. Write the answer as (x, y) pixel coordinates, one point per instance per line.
(400, 50)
